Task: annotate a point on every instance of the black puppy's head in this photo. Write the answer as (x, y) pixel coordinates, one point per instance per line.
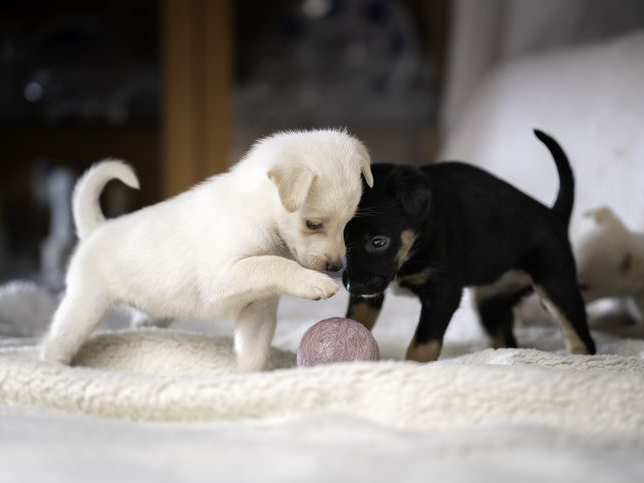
(380, 237)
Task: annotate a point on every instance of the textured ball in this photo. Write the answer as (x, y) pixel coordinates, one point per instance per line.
(336, 340)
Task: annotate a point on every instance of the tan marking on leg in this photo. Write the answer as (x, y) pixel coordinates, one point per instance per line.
(427, 352)
(364, 313)
(417, 278)
(574, 345)
(407, 239)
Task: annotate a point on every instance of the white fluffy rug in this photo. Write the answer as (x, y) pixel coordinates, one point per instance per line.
(172, 375)
(523, 415)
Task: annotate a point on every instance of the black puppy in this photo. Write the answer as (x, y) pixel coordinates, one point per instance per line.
(444, 227)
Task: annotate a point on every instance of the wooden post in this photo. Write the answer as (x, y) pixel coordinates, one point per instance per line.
(197, 91)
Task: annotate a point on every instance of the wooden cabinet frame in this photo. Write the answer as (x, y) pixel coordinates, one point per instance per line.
(197, 95)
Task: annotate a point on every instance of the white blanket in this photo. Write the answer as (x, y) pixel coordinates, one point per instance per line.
(478, 413)
(174, 376)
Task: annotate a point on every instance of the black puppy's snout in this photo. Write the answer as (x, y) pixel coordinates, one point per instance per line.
(374, 281)
(366, 285)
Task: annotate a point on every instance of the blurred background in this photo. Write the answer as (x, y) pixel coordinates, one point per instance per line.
(180, 89)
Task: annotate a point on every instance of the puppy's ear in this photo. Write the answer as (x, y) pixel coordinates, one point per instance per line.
(365, 163)
(605, 216)
(293, 182)
(411, 188)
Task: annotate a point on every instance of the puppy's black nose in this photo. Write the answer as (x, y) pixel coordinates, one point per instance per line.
(333, 268)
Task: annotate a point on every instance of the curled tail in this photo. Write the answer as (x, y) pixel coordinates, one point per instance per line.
(566, 196)
(85, 204)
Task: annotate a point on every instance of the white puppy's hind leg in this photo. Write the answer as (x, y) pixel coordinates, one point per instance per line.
(77, 316)
(254, 328)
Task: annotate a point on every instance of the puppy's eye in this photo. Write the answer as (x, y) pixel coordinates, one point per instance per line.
(311, 225)
(377, 243)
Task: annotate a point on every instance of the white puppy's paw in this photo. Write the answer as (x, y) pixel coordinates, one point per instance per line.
(252, 365)
(315, 286)
(54, 353)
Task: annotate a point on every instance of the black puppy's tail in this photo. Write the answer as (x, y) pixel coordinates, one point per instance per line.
(566, 196)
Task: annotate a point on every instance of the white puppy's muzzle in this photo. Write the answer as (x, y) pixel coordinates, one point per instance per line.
(321, 263)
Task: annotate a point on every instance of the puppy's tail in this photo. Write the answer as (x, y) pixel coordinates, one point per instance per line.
(566, 196)
(85, 204)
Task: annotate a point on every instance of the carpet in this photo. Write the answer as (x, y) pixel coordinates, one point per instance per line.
(187, 376)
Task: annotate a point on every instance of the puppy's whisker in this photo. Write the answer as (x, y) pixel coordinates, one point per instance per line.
(366, 210)
(361, 213)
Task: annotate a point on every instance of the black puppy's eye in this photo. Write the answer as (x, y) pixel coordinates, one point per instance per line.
(311, 225)
(377, 243)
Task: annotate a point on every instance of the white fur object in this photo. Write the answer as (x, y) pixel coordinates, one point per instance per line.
(174, 376)
(226, 248)
(590, 99)
(610, 260)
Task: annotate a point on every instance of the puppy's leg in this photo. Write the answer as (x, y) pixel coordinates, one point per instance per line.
(80, 311)
(264, 276)
(566, 305)
(496, 312)
(555, 281)
(439, 302)
(365, 310)
(497, 317)
(254, 328)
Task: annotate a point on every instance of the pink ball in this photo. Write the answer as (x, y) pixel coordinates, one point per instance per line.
(337, 340)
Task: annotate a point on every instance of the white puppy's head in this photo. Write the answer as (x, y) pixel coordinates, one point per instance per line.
(609, 262)
(317, 181)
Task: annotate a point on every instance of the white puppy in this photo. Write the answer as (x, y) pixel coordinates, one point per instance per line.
(226, 248)
(610, 260)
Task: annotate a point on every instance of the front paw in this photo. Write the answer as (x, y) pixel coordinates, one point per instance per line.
(423, 352)
(315, 286)
(54, 353)
(252, 365)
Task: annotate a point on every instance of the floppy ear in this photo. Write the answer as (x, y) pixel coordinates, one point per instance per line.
(293, 182)
(605, 216)
(365, 164)
(411, 188)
